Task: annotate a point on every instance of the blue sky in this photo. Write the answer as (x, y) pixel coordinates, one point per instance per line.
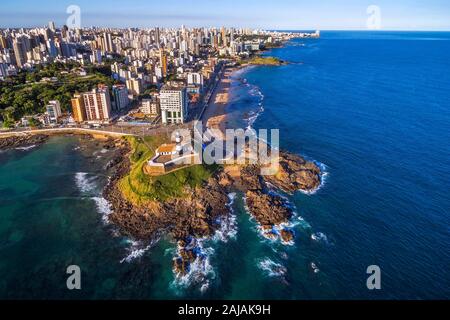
(268, 14)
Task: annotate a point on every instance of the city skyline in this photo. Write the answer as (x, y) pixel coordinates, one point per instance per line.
(289, 15)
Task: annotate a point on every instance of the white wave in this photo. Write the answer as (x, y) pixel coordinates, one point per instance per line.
(26, 148)
(228, 224)
(303, 223)
(104, 208)
(254, 115)
(84, 182)
(200, 272)
(136, 250)
(320, 237)
(272, 235)
(232, 197)
(204, 287)
(271, 268)
(314, 267)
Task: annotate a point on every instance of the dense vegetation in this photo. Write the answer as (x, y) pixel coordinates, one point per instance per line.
(27, 94)
(139, 188)
(272, 61)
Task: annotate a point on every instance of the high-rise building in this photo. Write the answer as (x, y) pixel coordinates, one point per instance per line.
(134, 86)
(97, 104)
(224, 37)
(157, 37)
(19, 53)
(150, 106)
(52, 26)
(120, 95)
(53, 111)
(195, 78)
(3, 42)
(174, 104)
(163, 61)
(107, 43)
(52, 50)
(3, 70)
(78, 109)
(96, 56)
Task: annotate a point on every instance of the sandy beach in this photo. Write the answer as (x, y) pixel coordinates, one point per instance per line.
(215, 115)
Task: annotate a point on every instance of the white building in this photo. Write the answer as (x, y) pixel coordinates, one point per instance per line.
(97, 104)
(134, 86)
(96, 57)
(195, 78)
(53, 110)
(174, 104)
(149, 106)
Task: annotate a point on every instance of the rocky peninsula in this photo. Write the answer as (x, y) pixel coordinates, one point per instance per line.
(199, 211)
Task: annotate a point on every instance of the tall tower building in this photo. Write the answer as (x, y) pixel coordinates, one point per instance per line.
(19, 52)
(120, 94)
(52, 26)
(163, 61)
(224, 37)
(134, 86)
(107, 43)
(78, 109)
(174, 104)
(3, 43)
(157, 37)
(97, 104)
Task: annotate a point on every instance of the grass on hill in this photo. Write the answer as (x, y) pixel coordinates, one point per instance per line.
(271, 61)
(139, 188)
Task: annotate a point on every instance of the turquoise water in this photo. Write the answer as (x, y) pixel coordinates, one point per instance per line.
(373, 108)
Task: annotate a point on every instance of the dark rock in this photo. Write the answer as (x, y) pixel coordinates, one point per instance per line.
(295, 173)
(268, 209)
(22, 141)
(287, 236)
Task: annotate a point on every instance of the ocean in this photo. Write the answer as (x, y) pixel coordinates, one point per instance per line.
(372, 108)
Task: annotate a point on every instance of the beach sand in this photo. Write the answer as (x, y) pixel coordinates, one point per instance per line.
(215, 115)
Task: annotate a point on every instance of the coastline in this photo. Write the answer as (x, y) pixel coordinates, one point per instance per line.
(202, 211)
(216, 113)
(39, 136)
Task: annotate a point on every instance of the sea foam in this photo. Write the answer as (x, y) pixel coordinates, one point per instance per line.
(201, 273)
(200, 270)
(104, 208)
(228, 224)
(136, 250)
(272, 268)
(26, 148)
(84, 182)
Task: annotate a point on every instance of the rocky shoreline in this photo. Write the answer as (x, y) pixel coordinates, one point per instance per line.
(198, 214)
(25, 140)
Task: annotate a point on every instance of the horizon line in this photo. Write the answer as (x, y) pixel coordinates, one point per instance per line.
(253, 28)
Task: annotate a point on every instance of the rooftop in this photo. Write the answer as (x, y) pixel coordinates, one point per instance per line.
(167, 148)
